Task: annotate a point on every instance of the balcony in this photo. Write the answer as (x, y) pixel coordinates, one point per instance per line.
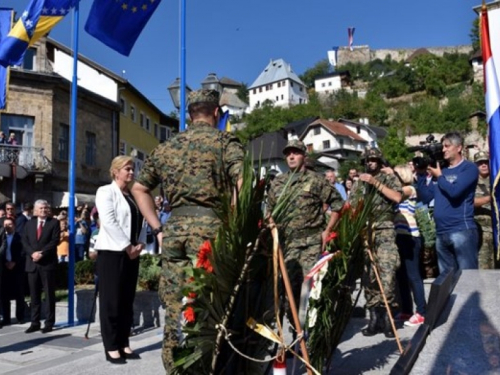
(31, 158)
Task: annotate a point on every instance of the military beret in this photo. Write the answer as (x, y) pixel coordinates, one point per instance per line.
(296, 144)
(481, 156)
(203, 96)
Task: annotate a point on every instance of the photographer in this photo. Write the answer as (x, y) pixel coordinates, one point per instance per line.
(453, 193)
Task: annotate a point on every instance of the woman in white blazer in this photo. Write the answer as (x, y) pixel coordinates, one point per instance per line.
(121, 239)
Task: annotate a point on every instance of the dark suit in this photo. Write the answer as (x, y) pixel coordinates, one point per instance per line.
(42, 273)
(12, 285)
(21, 221)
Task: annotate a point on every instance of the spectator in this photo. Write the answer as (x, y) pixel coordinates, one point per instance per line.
(63, 215)
(331, 177)
(24, 217)
(348, 183)
(2, 213)
(409, 245)
(3, 138)
(12, 273)
(353, 173)
(81, 236)
(63, 246)
(453, 192)
(121, 239)
(10, 211)
(12, 139)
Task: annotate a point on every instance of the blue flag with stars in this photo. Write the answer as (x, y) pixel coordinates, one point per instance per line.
(36, 21)
(118, 23)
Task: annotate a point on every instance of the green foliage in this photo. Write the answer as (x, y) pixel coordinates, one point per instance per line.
(393, 148)
(474, 35)
(84, 272)
(242, 92)
(149, 272)
(322, 67)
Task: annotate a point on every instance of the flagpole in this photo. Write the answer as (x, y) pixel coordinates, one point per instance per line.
(72, 169)
(183, 67)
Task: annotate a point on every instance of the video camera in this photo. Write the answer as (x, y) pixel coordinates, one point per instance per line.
(433, 154)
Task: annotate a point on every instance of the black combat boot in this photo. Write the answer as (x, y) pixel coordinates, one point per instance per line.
(373, 324)
(385, 322)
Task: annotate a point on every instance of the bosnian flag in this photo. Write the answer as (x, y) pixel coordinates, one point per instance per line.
(492, 99)
(350, 33)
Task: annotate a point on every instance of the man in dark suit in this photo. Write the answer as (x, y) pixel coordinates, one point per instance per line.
(12, 274)
(40, 238)
(22, 219)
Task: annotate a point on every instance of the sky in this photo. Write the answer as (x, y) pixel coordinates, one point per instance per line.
(237, 39)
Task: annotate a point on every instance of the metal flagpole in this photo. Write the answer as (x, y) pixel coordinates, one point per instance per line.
(183, 67)
(72, 169)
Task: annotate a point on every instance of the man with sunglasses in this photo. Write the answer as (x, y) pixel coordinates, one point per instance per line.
(482, 212)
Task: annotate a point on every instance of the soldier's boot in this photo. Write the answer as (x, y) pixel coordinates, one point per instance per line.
(385, 323)
(373, 325)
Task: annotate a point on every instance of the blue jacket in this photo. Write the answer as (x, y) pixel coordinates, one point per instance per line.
(453, 194)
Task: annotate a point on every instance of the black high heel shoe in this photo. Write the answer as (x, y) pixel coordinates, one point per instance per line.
(116, 361)
(129, 355)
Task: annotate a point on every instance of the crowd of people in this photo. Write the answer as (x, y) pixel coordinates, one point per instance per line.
(128, 221)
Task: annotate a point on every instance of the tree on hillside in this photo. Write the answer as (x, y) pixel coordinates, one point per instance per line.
(474, 35)
(242, 92)
(322, 67)
(393, 147)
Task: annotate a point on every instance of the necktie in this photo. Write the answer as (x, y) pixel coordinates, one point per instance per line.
(39, 230)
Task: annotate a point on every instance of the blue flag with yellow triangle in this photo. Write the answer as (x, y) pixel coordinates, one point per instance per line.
(37, 20)
(5, 24)
(118, 24)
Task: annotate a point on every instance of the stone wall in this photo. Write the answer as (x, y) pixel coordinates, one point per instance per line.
(363, 54)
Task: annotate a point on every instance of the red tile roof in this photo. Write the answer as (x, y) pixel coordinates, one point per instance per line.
(337, 128)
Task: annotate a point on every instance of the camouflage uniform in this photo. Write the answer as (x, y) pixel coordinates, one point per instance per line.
(302, 234)
(382, 240)
(194, 168)
(482, 215)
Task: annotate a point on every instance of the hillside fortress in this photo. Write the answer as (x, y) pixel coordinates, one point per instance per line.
(363, 54)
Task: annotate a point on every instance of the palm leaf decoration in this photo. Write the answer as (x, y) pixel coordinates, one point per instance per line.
(238, 287)
(329, 314)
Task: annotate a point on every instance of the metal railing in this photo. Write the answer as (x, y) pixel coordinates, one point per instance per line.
(31, 158)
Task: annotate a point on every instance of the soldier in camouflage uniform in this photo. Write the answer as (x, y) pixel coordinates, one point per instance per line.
(305, 233)
(482, 212)
(194, 168)
(381, 239)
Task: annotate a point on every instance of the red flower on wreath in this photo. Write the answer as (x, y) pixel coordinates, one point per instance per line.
(189, 314)
(331, 237)
(203, 257)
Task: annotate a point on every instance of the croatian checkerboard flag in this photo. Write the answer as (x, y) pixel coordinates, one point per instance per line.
(492, 99)
(350, 33)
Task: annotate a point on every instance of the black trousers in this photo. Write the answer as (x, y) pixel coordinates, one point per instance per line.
(117, 282)
(37, 280)
(12, 288)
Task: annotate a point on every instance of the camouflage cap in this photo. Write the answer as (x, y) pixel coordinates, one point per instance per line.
(481, 156)
(204, 96)
(295, 143)
(373, 153)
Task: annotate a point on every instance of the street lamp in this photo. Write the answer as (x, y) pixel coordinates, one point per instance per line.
(175, 93)
(211, 82)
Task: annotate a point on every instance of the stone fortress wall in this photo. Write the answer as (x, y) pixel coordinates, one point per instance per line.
(364, 54)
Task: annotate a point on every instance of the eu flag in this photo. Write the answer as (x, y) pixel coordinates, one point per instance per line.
(37, 20)
(118, 24)
(5, 24)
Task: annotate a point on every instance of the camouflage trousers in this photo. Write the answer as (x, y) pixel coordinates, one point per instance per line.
(387, 261)
(181, 240)
(300, 255)
(486, 256)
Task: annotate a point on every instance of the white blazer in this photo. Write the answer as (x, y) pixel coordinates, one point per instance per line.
(115, 220)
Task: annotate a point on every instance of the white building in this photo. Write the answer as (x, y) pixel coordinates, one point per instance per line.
(329, 83)
(278, 84)
(372, 134)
